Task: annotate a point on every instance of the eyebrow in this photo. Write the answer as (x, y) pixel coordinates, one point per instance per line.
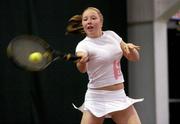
(90, 16)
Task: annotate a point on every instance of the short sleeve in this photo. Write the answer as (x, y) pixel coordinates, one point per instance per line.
(116, 36)
(81, 47)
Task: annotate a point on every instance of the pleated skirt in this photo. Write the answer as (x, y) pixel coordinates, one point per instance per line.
(102, 102)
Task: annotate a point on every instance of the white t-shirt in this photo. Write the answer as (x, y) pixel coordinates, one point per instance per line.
(104, 54)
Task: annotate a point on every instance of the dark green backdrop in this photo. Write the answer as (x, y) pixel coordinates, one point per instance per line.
(47, 96)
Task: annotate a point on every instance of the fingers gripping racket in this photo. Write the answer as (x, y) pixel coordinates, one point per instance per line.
(34, 54)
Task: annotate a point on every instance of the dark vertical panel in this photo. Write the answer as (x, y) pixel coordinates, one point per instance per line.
(47, 96)
(173, 64)
(173, 43)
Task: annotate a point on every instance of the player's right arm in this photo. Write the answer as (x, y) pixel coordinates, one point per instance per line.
(81, 63)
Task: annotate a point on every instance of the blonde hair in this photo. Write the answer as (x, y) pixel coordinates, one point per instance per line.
(75, 22)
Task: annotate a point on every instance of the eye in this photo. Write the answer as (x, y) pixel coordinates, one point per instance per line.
(85, 19)
(93, 17)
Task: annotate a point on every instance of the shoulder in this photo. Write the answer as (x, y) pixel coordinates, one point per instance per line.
(112, 34)
(81, 45)
(83, 41)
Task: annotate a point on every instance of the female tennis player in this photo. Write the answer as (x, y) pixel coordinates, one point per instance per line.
(100, 53)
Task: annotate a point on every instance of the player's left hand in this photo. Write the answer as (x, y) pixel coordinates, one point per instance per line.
(128, 47)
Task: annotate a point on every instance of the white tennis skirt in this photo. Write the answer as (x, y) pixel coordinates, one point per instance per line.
(102, 102)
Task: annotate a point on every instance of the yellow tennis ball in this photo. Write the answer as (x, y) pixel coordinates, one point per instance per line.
(35, 57)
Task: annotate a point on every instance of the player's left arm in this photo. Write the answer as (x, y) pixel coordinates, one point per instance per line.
(130, 51)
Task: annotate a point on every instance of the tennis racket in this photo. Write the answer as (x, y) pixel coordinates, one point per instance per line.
(34, 54)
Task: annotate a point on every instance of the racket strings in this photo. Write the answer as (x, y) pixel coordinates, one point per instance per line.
(21, 48)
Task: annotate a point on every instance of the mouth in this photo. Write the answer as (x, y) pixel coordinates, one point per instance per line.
(90, 27)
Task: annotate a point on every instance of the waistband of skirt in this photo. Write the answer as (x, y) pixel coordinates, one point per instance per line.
(104, 91)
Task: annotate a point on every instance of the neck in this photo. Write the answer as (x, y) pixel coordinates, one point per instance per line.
(98, 34)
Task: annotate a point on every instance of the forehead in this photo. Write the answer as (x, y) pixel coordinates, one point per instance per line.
(89, 12)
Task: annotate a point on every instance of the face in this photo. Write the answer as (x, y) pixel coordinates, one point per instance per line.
(92, 23)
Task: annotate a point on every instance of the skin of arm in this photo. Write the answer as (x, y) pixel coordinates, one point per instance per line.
(81, 63)
(130, 51)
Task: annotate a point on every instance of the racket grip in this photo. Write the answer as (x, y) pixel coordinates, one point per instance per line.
(70, 57)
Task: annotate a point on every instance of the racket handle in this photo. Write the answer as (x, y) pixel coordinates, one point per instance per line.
(70, 57)
(66, 56)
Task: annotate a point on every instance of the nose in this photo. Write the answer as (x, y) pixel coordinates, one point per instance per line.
(89, 21)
